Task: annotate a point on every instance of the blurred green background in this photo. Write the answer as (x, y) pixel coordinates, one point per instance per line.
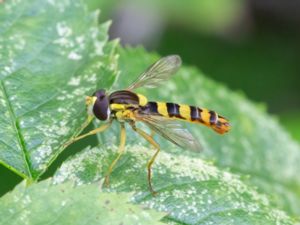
(252, 46)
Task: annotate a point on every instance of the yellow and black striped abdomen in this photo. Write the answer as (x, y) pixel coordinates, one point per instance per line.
(191, 114)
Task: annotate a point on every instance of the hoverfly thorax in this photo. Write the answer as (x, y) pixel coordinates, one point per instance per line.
(100, 106)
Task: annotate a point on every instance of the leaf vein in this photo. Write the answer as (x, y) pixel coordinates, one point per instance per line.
(16, 127)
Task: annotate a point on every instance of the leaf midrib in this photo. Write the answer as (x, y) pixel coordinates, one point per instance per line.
(16, 127)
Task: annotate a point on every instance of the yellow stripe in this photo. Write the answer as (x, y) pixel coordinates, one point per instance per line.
(117, 107)
(185, 111)
(205, 116)
(162, 109)
(142, 100)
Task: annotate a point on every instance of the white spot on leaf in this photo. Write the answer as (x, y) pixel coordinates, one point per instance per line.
(63, 30)
(74, 56)
(75, 81)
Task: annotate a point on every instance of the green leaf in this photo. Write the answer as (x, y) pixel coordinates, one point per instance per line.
(256, 147)
(49, 60)
(44, 203)
(189, 189)
(291, 121)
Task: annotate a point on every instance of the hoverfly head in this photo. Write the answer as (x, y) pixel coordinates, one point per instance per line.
(98, 105)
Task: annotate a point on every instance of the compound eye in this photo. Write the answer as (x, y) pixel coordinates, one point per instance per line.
(99, 93)
(100, 108)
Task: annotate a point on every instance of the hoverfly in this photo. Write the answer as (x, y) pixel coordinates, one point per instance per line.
(126, 106)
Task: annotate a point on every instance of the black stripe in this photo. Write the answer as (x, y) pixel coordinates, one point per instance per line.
(194, 113)
(153, 107)
(213, 117)
(173, 109)
(200, 117)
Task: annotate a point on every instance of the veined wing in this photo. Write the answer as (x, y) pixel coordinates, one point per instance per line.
(171, 130)
(157, 72)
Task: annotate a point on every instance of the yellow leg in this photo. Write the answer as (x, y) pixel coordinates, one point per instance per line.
(120, 152)
(152, 133)
(95, 131)
(151, 161)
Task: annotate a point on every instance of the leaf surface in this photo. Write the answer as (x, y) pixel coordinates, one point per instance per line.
(49, 60)
(43, 203)
(190, 190)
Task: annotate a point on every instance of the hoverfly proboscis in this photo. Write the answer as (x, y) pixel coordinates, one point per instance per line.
(130, 107)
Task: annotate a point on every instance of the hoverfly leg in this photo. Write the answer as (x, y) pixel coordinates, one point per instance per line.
(150, 139)
(152, 133)
(120, 152)
(92, 132)
(149, 165)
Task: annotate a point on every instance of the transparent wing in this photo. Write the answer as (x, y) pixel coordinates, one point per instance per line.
(157, 72)
(171, 130)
